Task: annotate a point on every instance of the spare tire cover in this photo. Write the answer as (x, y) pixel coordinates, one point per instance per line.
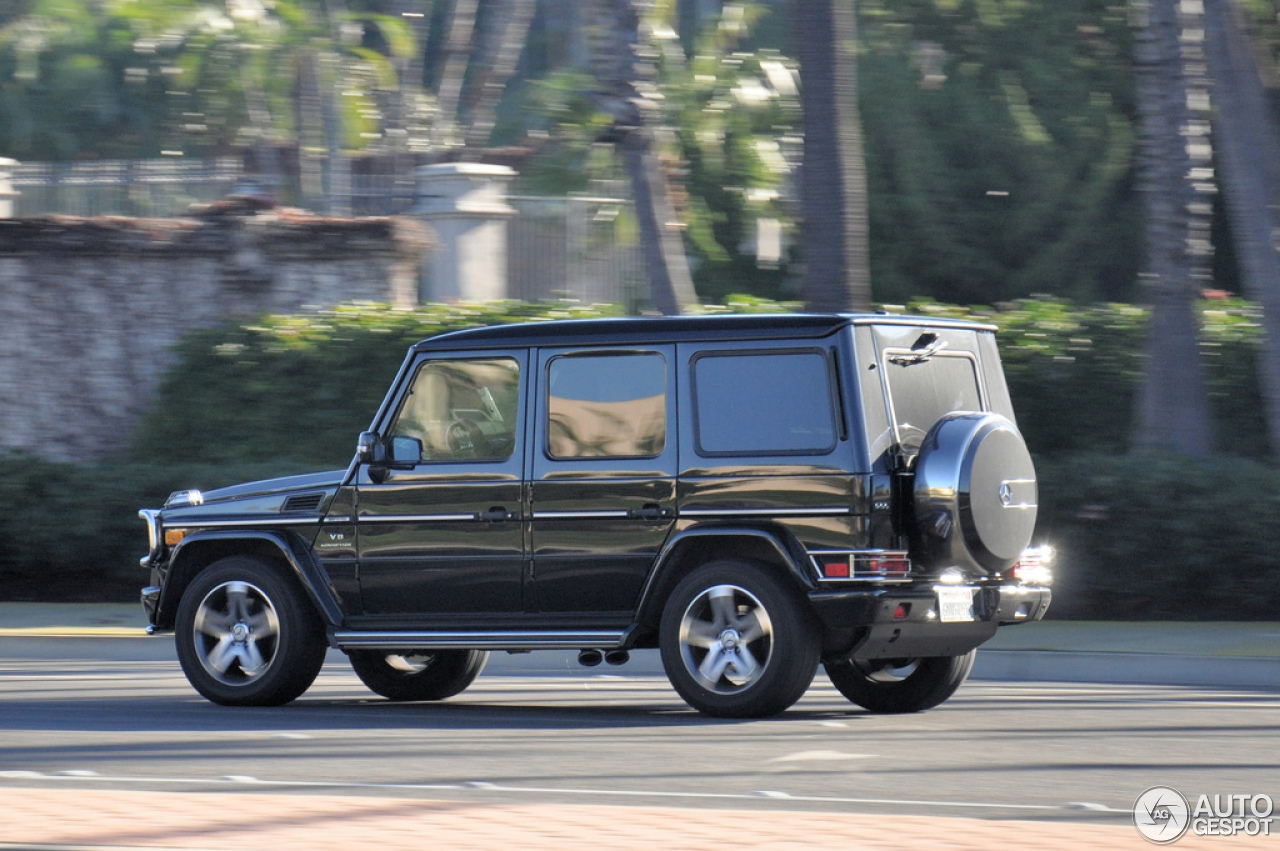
(975, 494)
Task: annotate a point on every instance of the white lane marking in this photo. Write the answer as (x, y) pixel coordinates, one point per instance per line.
(483, 786)
(804, 756)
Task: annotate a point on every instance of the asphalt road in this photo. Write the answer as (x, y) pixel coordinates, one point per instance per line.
(118, 714)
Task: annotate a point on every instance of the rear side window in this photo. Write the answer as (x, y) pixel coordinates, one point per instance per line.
(607, 406)
(764, 403)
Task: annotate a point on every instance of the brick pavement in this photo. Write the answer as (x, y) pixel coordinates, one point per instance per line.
(101, 820)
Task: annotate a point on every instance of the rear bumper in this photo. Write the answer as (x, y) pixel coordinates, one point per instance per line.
(894, 622)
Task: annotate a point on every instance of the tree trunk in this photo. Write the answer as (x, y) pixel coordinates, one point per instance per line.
(661, 238)
(310, 130)
(511, 38)
(834, 179)
(1247, 139)
(458, 50)
(1173, 405)
(619, 60)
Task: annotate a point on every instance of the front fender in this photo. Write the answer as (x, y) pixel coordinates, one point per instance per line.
(196, 551)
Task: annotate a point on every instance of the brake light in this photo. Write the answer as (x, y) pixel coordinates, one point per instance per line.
(1033, 566)
(890, 565)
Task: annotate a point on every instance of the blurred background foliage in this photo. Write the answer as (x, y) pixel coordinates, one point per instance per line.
(999, 136)
(289, 394)
(1000, 140)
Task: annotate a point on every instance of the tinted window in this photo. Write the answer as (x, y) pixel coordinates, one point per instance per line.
(462, 410)
(924, 391)
(607, 406)
(763, 404)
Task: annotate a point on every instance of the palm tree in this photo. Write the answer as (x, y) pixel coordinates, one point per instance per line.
(1247, 139)
(834, 179)
(1173, 405)
(622, 55)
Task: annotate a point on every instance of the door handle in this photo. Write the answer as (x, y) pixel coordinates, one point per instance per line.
(653, 513)
(497, 514)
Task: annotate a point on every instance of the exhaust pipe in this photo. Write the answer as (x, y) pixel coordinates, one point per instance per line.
(590, 658)
(617, 657)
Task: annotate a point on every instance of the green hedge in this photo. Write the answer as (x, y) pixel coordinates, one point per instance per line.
(1161, 538)
(1145, 536)
(1074, 371)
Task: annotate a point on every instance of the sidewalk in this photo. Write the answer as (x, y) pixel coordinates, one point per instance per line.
(43, 819)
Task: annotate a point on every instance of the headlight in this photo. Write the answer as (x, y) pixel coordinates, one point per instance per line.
(181, 499)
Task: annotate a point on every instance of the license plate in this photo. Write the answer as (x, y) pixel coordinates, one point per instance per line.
(955, 604)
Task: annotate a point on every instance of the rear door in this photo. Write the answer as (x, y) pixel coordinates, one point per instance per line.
(604, 475)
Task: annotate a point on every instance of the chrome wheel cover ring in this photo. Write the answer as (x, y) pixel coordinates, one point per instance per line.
(726, 639)
(236, 633)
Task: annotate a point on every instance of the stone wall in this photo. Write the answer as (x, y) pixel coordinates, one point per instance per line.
(90, 308)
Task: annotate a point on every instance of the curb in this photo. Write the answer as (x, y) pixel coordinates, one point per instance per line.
(1128, 668)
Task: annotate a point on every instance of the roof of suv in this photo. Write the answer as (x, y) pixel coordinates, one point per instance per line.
(671, 329)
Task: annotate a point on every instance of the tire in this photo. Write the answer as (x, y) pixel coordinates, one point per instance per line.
(418, 674)
(737, 641)
(245, 635)
(894, 686)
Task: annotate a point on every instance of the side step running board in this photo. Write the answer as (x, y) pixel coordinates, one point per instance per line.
(480, 640)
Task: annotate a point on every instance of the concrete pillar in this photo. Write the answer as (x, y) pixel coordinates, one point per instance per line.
(466, 204)
(7, 192)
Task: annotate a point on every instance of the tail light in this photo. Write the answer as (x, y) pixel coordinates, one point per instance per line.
(889, 565)
(1033, 566)
(876, 564)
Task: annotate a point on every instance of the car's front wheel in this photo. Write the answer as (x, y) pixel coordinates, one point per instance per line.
(737, 641)
(900, 685)
(246, 637)
(418, 674)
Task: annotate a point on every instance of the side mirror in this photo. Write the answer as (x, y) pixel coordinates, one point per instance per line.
(405, 450)
(368, 448)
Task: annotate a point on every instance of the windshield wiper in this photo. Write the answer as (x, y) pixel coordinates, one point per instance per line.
(926, 347)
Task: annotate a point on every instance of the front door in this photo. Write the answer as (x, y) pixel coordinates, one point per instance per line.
(440, 527)
(604, 474)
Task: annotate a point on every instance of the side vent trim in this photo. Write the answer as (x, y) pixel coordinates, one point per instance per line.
(303, 502)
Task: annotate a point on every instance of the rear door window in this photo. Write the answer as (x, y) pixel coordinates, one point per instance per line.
(607, 406)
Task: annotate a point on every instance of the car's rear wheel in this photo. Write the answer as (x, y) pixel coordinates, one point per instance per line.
(737, 642)
(900, 685)
(245, 636)
(418, 674)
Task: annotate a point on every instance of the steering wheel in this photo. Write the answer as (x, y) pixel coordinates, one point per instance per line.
(462, 437)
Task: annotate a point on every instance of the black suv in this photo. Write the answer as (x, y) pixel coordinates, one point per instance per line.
(752, 495)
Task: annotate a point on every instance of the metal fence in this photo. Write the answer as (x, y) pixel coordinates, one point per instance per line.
(576, 247)
(582, 248)
(143, 188)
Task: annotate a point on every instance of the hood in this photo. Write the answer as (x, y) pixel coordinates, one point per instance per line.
(265, 487)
